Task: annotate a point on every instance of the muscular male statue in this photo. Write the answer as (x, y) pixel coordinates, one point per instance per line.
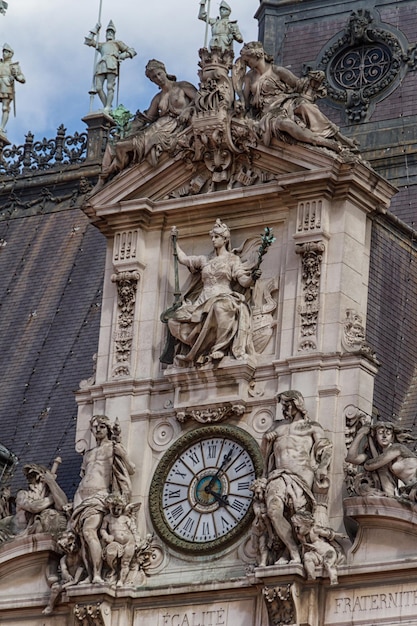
(297, 456)
(105, 469)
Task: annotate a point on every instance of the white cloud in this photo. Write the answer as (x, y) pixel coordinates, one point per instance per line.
(48, 39)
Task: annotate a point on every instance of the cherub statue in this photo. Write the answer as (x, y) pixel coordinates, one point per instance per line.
(120, 536)
(112, 52)
(262, 533)
(318, 546)
(223, 30)
(71, 567)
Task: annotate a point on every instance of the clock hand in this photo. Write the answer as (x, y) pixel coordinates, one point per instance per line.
(225, 461)
(222, 500)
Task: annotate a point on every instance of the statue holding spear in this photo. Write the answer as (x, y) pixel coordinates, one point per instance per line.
(223, 30)
(112, 52)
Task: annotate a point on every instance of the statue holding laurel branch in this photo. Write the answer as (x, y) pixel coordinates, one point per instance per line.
(214, 318)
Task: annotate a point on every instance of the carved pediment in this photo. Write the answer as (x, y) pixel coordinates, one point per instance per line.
(228, 134)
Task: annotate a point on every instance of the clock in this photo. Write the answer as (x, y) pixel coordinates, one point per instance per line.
(200, 497)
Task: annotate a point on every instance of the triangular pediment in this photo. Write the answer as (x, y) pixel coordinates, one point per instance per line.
(223, 140)
(172, 177)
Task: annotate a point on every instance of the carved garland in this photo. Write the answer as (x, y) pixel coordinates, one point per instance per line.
(211, 414)
(311, 258)
(127, 283)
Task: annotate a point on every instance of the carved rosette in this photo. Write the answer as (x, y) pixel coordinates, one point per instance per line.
(280, 605)
(211, 414)
(311, 258)
(126, 283)
(364, 63)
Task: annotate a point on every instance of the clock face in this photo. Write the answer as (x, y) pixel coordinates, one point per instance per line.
(200, 497)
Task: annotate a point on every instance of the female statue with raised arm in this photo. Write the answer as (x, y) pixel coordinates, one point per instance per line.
(215, 319)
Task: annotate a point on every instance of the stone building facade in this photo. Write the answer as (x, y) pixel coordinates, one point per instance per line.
(251, 482)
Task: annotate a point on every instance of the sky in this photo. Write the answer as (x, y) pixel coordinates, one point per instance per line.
(47, 37)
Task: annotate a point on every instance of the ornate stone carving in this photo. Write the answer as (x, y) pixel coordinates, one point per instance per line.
(125, 553)
(98, 614)
(125, 246)
(290, 501)
(127, 283)
(214, 319)
(311, 258)
(39, 508)
(284, 104)
(154, 131)
(385, 464)
(353, 339)
(309, 216)
(211, 414)
(280, 605)
(71, 568)
(105, 469)
(264, 305)
(363, 63)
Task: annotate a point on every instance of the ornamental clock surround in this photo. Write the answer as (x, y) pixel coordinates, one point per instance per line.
(200, 494)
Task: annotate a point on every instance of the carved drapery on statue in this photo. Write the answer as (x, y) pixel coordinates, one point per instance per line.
(214, 319)
(290, 500)
(215, 129)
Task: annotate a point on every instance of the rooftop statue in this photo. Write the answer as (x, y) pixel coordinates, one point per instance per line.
(297, 459)
(40, 507)
(155, 130)
(105, 469)
(281, 102)
(214, 319)
(223, 30)
(9, 73)
(390, 467)
(112, 52)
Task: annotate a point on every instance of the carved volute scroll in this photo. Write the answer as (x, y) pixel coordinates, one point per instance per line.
(311, 258)
(126, 283)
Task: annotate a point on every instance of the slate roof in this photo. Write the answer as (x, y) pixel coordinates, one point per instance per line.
(51, 270)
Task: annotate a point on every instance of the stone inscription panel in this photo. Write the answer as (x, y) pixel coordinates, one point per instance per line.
(240, 613)
(376, 604)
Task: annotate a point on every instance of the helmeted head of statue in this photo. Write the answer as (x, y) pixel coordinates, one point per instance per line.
(224, 8)
(111, 27)
(7, 47)
(221, 229)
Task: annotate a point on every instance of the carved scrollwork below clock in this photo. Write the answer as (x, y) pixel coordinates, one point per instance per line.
(200, 497)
